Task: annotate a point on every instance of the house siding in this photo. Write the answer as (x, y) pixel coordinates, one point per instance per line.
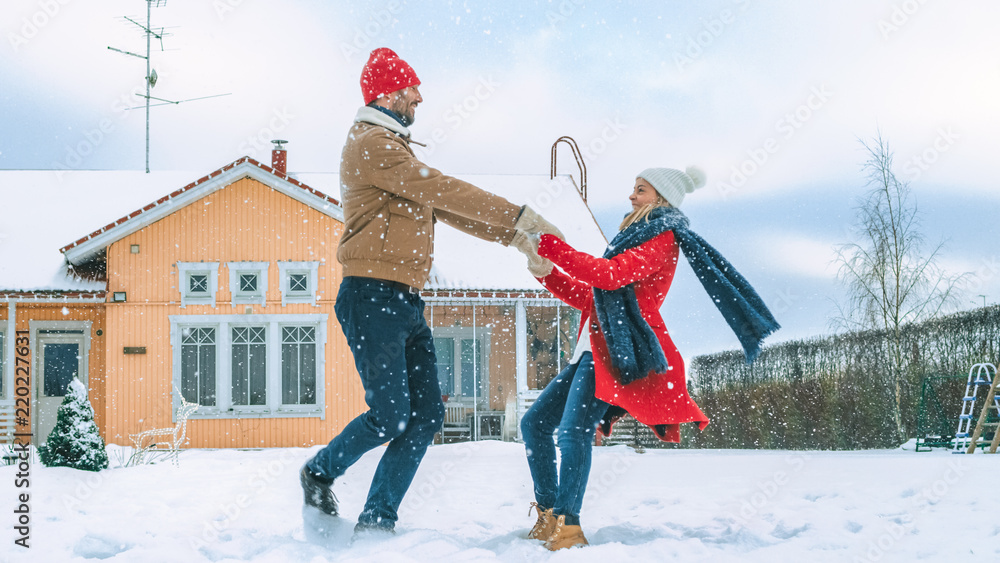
(55, 311)
(247, 221)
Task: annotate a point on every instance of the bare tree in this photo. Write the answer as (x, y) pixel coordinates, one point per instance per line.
(890, 281)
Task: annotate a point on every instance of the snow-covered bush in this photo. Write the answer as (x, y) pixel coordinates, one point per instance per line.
(75, 441)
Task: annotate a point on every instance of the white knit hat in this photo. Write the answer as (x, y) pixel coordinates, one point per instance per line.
(673, 184)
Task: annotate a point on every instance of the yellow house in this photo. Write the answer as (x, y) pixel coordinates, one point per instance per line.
(222, 292)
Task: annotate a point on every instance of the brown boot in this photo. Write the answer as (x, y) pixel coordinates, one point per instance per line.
(544, 524)
(565, 535)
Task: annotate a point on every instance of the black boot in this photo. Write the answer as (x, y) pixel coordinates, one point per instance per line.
(317, 493)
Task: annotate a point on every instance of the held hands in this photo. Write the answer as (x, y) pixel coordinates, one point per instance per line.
(528, 245)
(531, 223)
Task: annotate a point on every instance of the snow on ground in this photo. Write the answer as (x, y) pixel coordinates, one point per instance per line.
(469, 502)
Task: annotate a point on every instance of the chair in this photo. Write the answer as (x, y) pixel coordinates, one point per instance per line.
(525, 399)
(7, 429)
(145, 441)
(456, 426)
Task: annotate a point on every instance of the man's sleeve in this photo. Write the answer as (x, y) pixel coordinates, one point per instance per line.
(397, 171)
(478, 229)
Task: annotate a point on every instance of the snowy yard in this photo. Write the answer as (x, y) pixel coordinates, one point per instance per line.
(469, 502)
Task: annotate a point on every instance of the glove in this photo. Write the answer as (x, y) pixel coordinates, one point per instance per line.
(528, 245)
(532, 223)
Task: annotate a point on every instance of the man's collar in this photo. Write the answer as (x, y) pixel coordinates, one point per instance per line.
(377, 117)
(390, 113)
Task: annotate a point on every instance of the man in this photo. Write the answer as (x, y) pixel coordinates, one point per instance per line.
(391, 201)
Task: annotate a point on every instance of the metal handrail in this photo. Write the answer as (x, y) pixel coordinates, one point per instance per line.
(579, 162)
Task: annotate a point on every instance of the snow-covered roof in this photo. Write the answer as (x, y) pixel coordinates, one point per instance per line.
(463, 262)
(49, 213)
(43, 210)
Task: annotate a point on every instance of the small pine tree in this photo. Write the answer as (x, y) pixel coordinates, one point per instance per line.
(75, 441)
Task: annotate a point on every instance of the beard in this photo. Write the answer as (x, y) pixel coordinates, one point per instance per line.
(404, 110)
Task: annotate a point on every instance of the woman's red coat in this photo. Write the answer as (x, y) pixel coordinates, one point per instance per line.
(660, 401)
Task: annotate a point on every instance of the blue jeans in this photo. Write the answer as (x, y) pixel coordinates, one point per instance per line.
(394, 353)
(567, 407)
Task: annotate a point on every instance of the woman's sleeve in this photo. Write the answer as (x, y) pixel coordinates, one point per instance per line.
(574, 293)
(608, 273)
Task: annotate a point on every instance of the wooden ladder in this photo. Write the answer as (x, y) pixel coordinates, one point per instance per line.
(992, 403)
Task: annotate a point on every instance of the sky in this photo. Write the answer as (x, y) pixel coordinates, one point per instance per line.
(771, 99)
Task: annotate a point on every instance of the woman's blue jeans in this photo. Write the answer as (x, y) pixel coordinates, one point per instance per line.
(568, 408)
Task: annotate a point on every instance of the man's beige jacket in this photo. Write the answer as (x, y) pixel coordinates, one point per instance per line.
(391, 201)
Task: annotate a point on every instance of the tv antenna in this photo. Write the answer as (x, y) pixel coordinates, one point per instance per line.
(151, 76)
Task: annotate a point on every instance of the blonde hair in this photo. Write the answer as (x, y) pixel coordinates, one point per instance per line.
(642, 213)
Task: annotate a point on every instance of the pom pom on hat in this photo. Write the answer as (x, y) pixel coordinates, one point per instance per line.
(384, 73)
(673, 184)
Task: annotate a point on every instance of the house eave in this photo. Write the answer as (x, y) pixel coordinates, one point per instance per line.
(88, 247)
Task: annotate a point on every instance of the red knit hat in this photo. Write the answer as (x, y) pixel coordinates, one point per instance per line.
(385, 72)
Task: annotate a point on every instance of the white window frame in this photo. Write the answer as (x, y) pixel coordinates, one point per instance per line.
(285, 271)
(184, 272)
(460, 333)
(4, 383)
(224, 324)
(239, 297)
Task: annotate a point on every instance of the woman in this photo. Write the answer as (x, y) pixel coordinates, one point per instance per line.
(625, 361)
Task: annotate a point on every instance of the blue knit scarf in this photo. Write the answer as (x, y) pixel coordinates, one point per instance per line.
(634, 348)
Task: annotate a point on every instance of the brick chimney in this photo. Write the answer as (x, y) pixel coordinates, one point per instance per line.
(279, 156)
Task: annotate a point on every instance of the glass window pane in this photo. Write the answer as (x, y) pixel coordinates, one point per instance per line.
(289, 373)
(444, 349)
(298, 366)
(472, 364)
(62, 364)
(249, 366)
(198, 283)
(307, 374)
(298, 282)
(248, 282)
(206, 375)
(257, 362)
(198, 365)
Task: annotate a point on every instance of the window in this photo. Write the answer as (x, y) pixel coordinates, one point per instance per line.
(461, 366)
(298, 282)
(3, 372)
(198, 365)
(199, 282)
(298, 365)
(248, 282)
(250, 365)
